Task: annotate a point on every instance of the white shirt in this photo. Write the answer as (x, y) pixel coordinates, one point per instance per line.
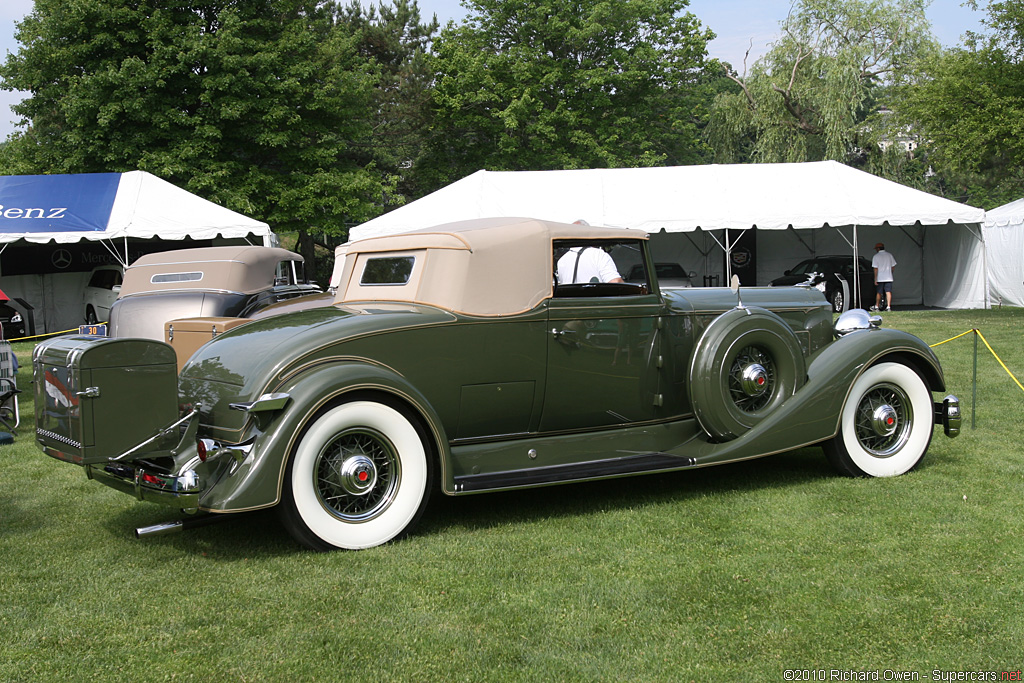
(594, 265)
(884, 262)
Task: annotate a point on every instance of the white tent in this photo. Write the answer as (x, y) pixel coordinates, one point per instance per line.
(105, 208)
(937, 242)
(1004, 239)
(143, 207)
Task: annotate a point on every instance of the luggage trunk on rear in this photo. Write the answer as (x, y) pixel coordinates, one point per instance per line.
(98, 397)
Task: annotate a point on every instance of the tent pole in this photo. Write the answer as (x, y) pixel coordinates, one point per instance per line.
(808, 247)
(984, 268)
(728, 254)
(856, 270)
(109, 246)
(725, 247)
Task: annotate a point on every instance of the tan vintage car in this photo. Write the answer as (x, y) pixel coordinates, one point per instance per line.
(212, 282)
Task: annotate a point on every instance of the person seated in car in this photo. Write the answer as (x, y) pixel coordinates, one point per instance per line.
(587, 264)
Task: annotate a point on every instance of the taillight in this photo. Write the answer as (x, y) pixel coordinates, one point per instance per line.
(205, 448)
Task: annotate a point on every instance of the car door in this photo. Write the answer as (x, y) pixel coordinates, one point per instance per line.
(602, 357)
(603, 350)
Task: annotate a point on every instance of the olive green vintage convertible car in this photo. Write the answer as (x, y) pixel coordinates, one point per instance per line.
(452, 358)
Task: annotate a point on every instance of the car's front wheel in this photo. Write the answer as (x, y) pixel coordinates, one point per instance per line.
(886, 424)
(837, 301)
(359, 477)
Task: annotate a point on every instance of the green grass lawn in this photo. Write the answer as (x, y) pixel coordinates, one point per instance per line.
(741, 570)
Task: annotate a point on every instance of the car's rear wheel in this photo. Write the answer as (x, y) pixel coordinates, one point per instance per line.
(359, 477)
(747, 362)
(90, 316)
(886, 424)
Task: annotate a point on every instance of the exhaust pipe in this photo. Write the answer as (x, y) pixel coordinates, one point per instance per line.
(179, 525)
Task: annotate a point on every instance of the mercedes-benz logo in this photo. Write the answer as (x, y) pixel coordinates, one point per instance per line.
(61, 258)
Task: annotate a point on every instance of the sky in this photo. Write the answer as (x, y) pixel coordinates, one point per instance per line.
(739, 24)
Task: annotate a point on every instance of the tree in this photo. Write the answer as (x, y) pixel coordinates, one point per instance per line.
(553, 84)
(257, 105)
(808, 98)
(968, 107)
(396, 43)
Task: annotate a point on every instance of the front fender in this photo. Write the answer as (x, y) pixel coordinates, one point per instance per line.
(812, 415)
(258, 481)
(864, 348)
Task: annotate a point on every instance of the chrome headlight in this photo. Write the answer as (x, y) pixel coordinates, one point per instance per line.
(856, 319)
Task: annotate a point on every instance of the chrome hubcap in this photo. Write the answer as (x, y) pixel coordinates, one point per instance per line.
(754, 379)
(884, 419)
(356, 475)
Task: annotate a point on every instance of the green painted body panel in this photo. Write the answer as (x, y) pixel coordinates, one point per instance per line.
(573, 389)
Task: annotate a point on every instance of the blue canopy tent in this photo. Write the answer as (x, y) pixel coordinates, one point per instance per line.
(44, 217)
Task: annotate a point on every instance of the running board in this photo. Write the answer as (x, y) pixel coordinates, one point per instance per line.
(564, 474)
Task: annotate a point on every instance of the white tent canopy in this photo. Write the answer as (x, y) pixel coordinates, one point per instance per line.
(1004, 238)
(859, 208)
(145, 207)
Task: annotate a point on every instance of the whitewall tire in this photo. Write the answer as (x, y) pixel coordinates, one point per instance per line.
(359, 477)
(886, 423)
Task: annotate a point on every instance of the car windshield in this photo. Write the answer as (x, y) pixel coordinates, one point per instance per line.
(803, 268)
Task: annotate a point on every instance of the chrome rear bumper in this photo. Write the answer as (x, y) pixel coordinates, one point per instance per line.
(180, 491)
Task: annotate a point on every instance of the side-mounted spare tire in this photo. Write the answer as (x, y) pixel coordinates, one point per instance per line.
(747, 362)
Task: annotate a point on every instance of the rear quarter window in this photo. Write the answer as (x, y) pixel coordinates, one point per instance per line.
(165, 278)
(388, 270)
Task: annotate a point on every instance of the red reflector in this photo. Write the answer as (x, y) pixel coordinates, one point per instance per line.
(201, 450)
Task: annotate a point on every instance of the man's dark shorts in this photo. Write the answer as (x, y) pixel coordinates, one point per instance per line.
(883, 287)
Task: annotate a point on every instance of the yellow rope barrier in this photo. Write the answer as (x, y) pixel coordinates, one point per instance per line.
(991, 350)
(949, 340)
(999, 359)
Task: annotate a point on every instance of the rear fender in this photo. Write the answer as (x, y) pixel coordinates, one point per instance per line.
(257, 482)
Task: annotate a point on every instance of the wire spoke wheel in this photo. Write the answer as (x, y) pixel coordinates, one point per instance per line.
(883, 420)
(752, 379)
(357, 475)
(745, 365)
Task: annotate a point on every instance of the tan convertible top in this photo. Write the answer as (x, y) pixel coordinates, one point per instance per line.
(244, 269)
(487, 267)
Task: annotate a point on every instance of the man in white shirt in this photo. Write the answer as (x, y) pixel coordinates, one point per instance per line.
(587, 264)
(883, 264)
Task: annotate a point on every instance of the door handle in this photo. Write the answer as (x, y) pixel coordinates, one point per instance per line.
(568, 337)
